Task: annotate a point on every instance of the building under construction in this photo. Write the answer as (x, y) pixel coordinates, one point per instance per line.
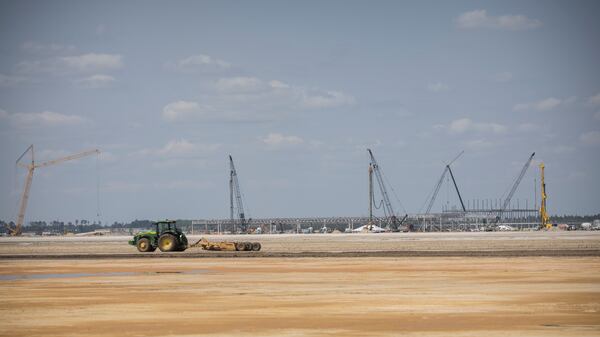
(474, 215)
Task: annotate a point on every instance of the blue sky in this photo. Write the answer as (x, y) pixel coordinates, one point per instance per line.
(295, 92)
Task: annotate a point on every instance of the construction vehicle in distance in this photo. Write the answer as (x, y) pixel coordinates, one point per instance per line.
(168, 238)
(545, 219)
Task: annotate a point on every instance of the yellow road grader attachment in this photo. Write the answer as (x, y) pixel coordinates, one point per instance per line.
(227, 246)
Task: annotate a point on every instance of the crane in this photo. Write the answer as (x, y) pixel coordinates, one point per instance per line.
(387, 205)
(17, 230)
(235, 193)
(447, 169)
(543, 215)
(513, 189)
(371, 196)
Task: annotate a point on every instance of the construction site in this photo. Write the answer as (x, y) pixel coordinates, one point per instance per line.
(476, 270)
(299, 168)
(498, 214)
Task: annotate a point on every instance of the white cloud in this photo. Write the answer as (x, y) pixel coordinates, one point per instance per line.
(503, 77)
(480, 19)
(591, 138)
(97, 81)
(547, 104)
(38, 66)
(66, 65)
(182, 111)
(594, 100)
(199, 63)
(42, 119)
(277, 93)
(278, 139)
(543, 105)
(241, 85)
(92, 62)
(324, 99)
(437, 87)
(244, 99)
(180, 148)
(464, 125)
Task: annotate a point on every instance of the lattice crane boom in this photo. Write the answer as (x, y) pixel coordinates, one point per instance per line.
(514, 188)
(17, 230)
(436, 190)
(236, 194)
(387, 205)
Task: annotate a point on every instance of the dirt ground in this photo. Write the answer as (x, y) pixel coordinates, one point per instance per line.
(537, 296)
(466, 241)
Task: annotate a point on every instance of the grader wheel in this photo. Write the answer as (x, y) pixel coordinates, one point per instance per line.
(240, 246)
(247, 246)
(256, 246)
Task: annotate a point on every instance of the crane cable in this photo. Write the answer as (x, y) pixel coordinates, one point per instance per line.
(393, 191)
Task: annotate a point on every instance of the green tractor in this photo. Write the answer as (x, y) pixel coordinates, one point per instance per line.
(167, 237)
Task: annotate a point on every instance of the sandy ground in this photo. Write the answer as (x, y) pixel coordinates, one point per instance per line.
(301, 297)
(477, 241)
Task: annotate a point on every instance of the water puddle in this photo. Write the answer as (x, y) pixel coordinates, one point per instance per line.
(13, 277)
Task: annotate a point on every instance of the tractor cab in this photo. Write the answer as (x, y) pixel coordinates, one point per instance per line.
(166, 226)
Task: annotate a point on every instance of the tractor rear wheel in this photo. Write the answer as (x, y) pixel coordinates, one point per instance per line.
(256, 246)
(167, 243)
(240, 246)
(144, 245)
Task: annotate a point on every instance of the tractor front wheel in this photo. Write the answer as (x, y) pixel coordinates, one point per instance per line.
(167, 243)
(144, 245)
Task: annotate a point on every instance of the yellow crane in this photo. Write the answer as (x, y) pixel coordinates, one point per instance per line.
(17, 230)
(543, 214)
